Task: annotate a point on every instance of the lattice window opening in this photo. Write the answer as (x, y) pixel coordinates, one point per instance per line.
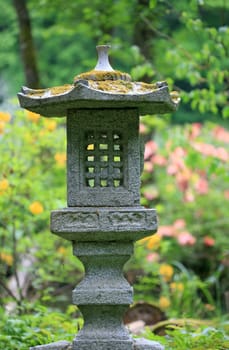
(104, 159)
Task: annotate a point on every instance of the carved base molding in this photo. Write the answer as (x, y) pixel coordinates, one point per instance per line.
(103, 223)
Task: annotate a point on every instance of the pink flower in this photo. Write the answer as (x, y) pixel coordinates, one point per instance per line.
(150, 149)
(221, 134)
(183, 178)
(226, 194)
(209, 241)
(148, 166)
(159, 160)
(179, 224)
(195, 130)
(179, 152)
(204, 148)
(222, 154)
(150, 193)
(185, 238)
(201, 186)
(153, 257)
(142, 128)
(172, 169)
(189, 196)
(166, 231)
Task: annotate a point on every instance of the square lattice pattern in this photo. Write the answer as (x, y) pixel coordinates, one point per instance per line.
(103, 159)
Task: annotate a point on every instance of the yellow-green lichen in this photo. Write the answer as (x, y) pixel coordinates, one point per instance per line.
(110, 86)
(98, 75)
(121, 86)
(56, 90)
(38, 92)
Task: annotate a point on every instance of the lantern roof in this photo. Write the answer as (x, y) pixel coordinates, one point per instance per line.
(101, 87)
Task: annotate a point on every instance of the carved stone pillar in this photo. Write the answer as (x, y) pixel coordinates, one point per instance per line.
(103, 240)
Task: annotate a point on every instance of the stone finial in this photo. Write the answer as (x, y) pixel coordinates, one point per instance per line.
(103, 63)
(103, 70)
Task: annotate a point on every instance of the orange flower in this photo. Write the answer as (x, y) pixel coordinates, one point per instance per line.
(36, 208)
(4, 184)
(62, 251)
(60, 158)
(2, 127)
(164, 303)
(5, 117)
(50, 125)
(166, 271)
(7, 258)
(177, 287)
(209, 241)
(154, 241)
(34, 117)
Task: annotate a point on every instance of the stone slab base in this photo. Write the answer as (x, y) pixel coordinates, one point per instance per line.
(138, 344)
(144, 344)
(102, 345)
(59, 345)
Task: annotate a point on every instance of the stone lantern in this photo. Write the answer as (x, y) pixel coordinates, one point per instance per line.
(104, 217)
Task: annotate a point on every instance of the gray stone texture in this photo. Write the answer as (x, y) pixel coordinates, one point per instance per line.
(104, 283)
(103, 329)
(144, 344)
(103, 157)
(103, 223)
(59, 345)
(81, 96)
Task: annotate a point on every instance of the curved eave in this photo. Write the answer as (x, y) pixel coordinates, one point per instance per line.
(82, 96)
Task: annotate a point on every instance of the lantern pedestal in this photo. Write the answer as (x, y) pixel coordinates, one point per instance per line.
(103, 240)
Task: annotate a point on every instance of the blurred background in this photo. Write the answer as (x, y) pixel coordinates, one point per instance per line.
(181, 271)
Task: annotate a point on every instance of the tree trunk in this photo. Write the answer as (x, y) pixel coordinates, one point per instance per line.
(26, 44)
(143, 35)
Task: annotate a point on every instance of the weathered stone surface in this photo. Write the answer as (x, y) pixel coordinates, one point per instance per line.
(103, 223)
(144, 344)
(103, 157)
(104, 216)
(100, 344)
(59, 345)
(103, 283)
(103, 295)
(77, 97)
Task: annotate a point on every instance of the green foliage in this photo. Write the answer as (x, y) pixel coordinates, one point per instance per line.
(33, 170)
(36, 327)
(183, 42)
(182, 339)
